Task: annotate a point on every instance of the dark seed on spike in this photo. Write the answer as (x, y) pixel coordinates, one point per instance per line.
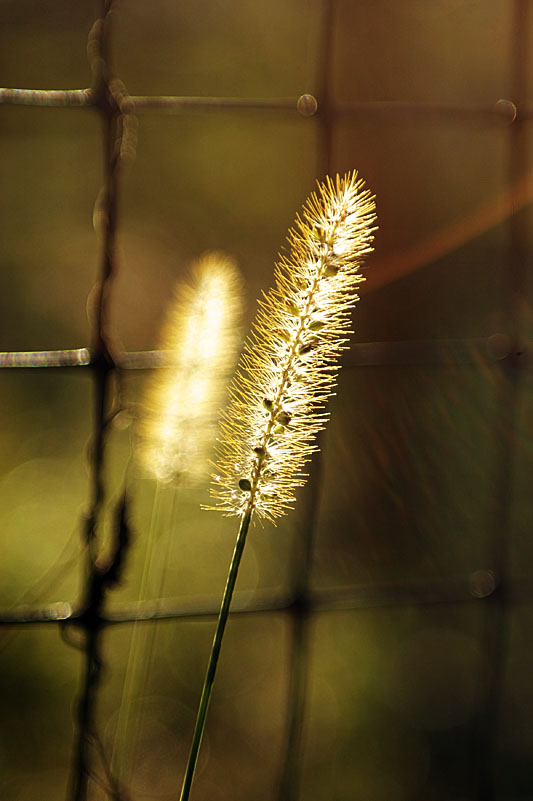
(245, 485)
(319, 233)
(316, 325)
(284, 418)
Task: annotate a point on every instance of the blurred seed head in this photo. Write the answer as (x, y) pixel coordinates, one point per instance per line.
(201, 335)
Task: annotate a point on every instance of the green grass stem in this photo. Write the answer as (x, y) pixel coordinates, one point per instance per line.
(141, 648)
(215, 653)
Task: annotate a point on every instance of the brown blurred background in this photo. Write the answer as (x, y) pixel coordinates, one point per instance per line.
(403, 671)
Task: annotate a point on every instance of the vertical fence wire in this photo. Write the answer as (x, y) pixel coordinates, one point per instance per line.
(300, 610)
(98, 578)
(498, 608)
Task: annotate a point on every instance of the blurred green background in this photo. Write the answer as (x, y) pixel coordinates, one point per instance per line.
(402, 702)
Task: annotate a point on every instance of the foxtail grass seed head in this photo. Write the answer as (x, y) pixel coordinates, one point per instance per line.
(202, 336)
(288, 368)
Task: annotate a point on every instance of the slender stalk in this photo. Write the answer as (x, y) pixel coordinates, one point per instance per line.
(122, 758)
(215, 653)
(147, 645)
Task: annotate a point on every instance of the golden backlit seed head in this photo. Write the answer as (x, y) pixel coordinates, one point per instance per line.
(201, 336)
(287, 371)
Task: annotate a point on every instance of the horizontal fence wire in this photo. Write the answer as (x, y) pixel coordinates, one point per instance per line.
(495, 348)
(503, 110)
(460, 589)
(110, 99)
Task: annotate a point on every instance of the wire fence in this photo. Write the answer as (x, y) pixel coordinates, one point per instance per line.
(508, 352)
